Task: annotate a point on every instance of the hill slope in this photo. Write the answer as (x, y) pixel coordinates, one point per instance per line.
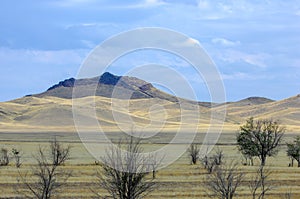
(107, 85)
(148, 108)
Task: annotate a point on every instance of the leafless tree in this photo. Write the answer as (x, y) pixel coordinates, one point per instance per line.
(260, 183)
(210, 162)
(45, 177)
(154, 161)
(17, 156)
(247, 160)
(193, 153)
(210, 165)
(4, 157)
(224, 181)
(124, 174)
(288, 194)
(59, 153)
(218, 156)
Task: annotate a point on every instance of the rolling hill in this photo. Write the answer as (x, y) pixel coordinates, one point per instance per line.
(148, 108)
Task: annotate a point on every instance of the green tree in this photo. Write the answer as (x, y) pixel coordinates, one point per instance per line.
(260, 138)
(293, 150)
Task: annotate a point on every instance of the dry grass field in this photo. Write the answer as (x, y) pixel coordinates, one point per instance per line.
(178, 180)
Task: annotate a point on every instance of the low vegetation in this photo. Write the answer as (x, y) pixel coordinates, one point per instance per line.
(132, 175)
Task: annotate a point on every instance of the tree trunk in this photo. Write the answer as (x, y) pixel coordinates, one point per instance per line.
(298, 163)
(263, 160)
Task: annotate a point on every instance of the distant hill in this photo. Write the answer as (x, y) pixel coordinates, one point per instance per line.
(105, 85)
(148, 107)
(253, 101)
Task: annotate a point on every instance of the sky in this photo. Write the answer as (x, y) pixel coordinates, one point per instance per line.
(254, 44)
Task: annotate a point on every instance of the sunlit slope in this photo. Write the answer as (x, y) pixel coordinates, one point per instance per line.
(286, 111)
(55, 114)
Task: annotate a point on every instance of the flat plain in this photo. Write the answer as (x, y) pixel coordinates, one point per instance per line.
(178, 180)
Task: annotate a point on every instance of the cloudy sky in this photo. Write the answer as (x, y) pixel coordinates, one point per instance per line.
(254, 44)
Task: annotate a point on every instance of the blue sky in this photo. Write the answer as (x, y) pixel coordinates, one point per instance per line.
(255, 44)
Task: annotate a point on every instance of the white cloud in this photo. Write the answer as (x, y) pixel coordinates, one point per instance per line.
(88, 44)
(225, 42)
(146, 4)
(246, 76)
(191, 41)
(89, 25)
(237, 76)
(105, 4)
(153, 2)
(71, 3)
(187, 43)
(233, 56)
(202, 4)
(226, 8)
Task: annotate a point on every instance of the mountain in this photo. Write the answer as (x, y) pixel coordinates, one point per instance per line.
(148, 107)
(126, 87)
(253, 101)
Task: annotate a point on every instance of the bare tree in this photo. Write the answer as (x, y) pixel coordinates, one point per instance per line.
(224, 181)
(123, 174)
(218, 157)
(4, 157)
(193, 153)
(59, 153)
(210, 165)
(45, 177)
(288, 194)
(210, 162)
(260, 183)
(247, 159)
(154, 161)
(260, 138)
(204, 161)
(17, 156)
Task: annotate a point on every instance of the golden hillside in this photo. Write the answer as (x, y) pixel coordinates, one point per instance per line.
(55, 114)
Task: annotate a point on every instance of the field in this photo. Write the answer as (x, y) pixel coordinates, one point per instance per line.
(179, 180)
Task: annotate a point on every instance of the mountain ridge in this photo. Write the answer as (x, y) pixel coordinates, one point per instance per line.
(109, 81)
(52, 109)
